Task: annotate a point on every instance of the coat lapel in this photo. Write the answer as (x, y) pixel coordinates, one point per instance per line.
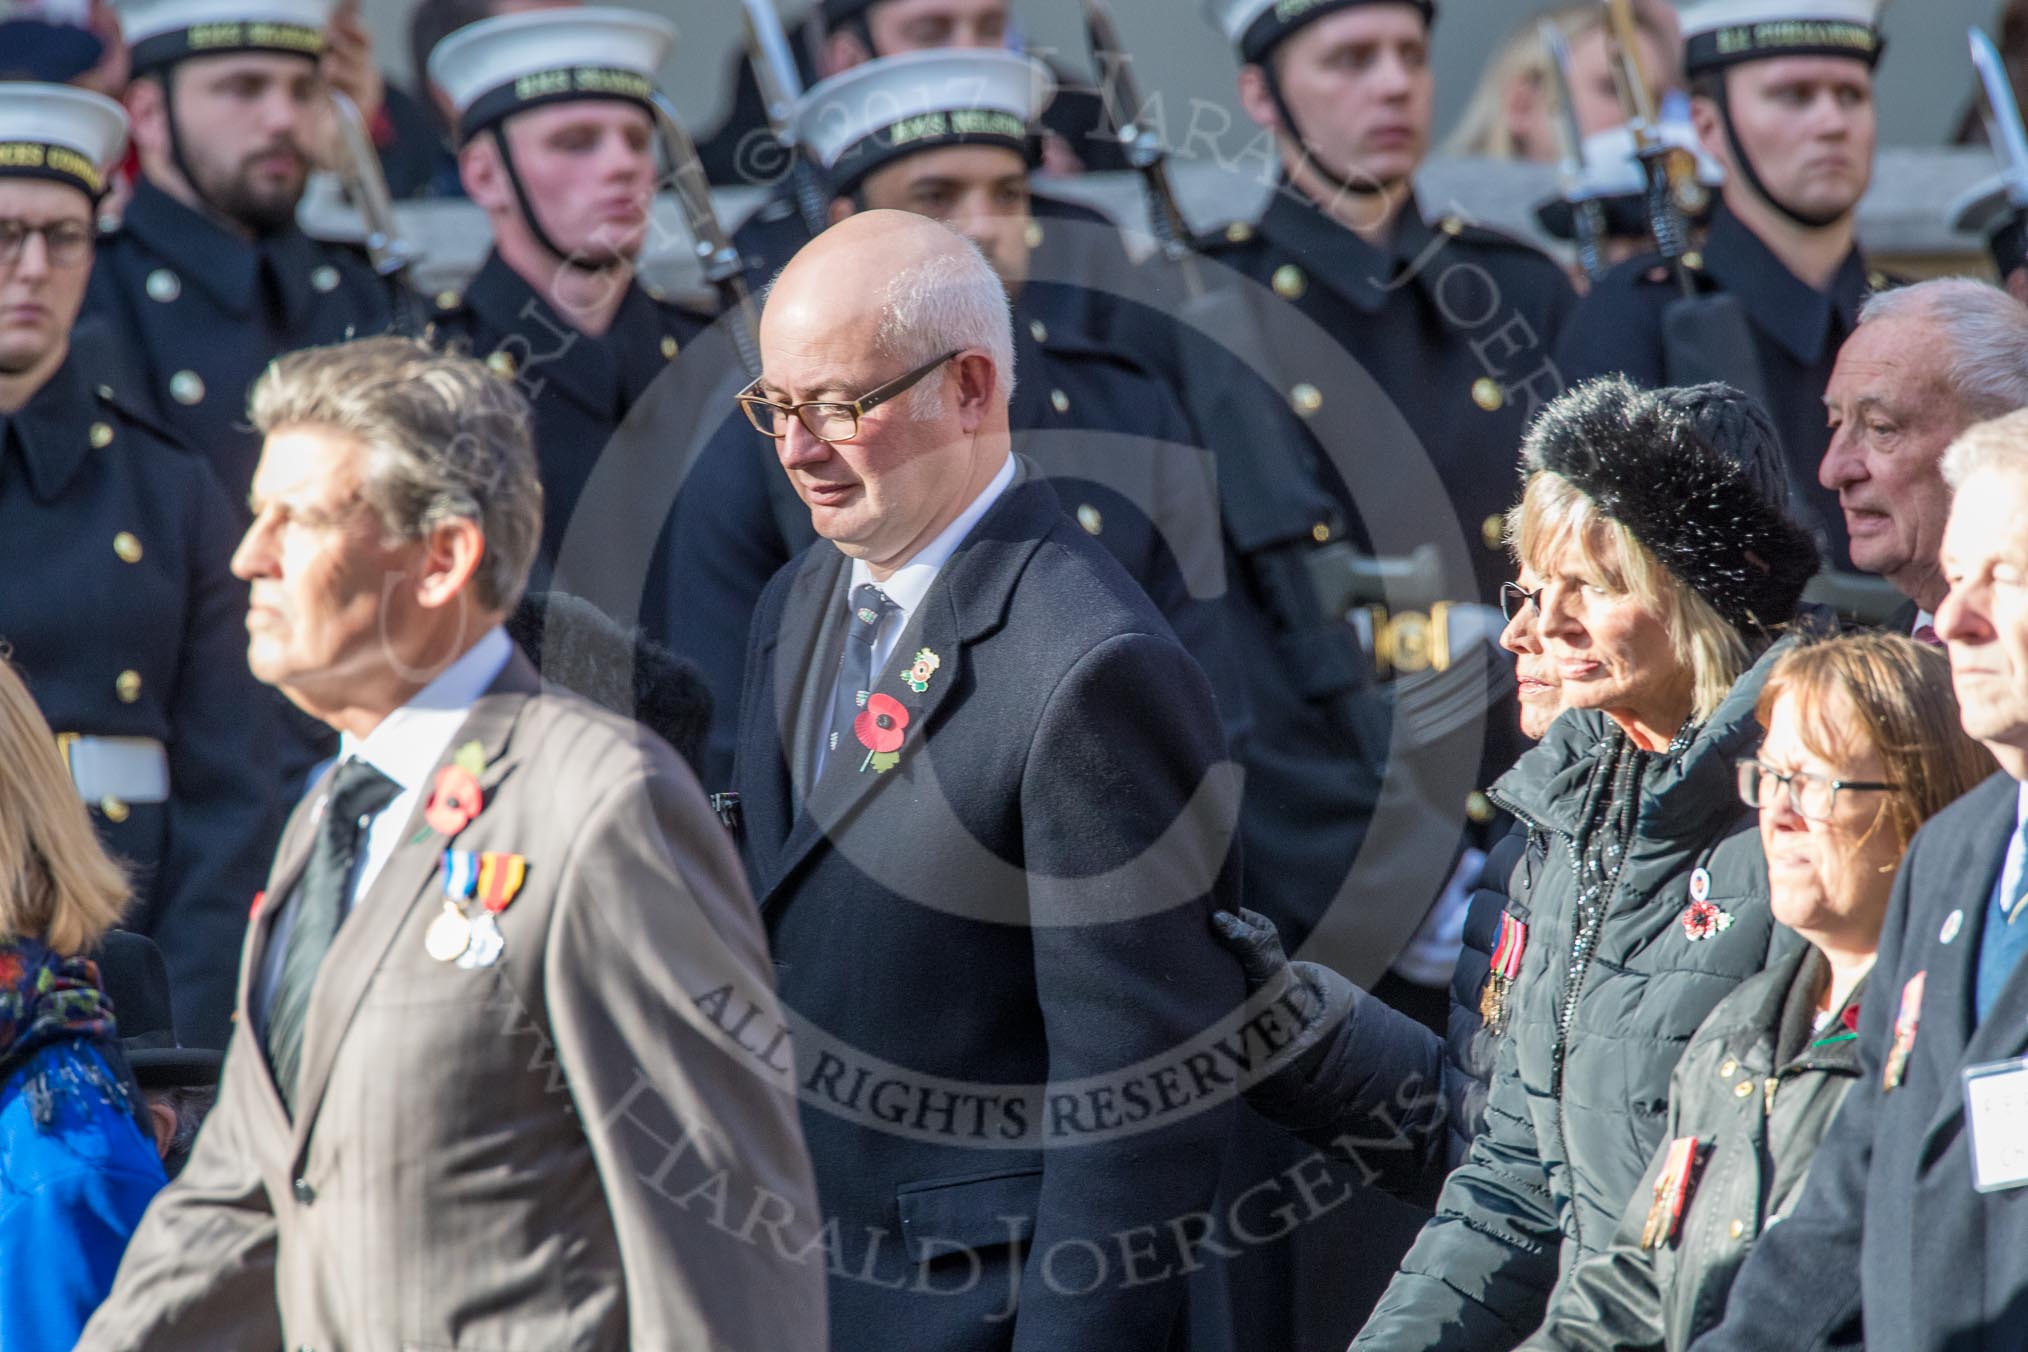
(366, 934)
(967, 601)
(1950, 985)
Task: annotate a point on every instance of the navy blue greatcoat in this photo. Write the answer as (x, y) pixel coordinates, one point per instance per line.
(123, 617)
(199, 312)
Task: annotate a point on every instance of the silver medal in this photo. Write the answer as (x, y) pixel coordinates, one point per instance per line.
(485, 945)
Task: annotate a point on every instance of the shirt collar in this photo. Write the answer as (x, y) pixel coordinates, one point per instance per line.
(911, 582)
(411, 740)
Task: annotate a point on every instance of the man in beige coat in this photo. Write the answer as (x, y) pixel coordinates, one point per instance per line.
(507, 1069)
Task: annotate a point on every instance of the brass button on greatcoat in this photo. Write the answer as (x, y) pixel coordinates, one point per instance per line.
(670, 347)
(1290, 283)
(128, 546)
(1059, 401)
(186, 387)
(1306, 399)
(128, 686)
(113, 809)
(324, 279)
(101, 435)
(164, 286)
(1088, 516)
(1488, 395)
(501, 364)
(1742, 1089)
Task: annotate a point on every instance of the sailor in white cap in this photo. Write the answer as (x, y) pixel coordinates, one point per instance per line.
(208, 275)
(1612, 177)
(120, 610)
(1075, 243)
(557, 145)
(1782, 98)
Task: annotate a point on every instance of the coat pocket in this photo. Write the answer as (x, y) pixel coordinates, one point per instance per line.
(968, 1212)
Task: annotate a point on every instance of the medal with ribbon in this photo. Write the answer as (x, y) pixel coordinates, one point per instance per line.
(1672, 1193)
(1505, 969)
(477, 888)
(1906, 1020)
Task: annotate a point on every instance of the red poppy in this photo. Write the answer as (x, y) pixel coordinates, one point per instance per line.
(1703, 919)
(1850, 1018)
(10, 969)
(880, 725)
(455, 800)
(255, 909)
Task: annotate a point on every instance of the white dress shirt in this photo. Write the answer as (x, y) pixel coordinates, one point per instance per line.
(907, 586)
(410, 741)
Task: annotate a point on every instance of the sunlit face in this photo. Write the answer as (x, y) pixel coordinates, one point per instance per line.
(242, 122)
(1609, 650)
(589, 167)
(1807, 123)
(930, 25)
(1984, 619)
(1540, 686)
(1892, 415)
(1828, 879)
(327, 589)
(39, 300)
(877, 495)
(1359, 85)
(979, 191)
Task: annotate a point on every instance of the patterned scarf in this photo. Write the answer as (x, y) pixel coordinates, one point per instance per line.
(45, 1000)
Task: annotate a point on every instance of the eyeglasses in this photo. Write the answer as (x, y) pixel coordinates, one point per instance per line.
(1515, 598)
(67, 243)
(828, 420)
(1814, 797)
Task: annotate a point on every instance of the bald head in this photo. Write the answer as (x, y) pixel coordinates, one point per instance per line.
(877, 299)
(833, 281)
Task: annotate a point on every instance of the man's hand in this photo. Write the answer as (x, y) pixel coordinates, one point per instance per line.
(348, 61)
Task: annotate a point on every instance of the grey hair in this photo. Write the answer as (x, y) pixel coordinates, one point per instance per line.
(1998, 446)
(1987, 330)
(446, 439)
(952, 301)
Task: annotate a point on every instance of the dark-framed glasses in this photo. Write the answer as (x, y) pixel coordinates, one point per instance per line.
(67, 243)
(1515, 599)
(825, 419)
(1813, 797)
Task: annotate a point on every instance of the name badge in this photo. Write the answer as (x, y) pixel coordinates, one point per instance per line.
(1996, 1110)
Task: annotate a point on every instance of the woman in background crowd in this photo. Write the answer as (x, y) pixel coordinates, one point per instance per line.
(76, 1166)
(1513, 113)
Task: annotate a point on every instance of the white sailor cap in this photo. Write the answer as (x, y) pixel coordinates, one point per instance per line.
(1720, 33)
(1613, 175)
(875, 113)
(59, 133)
(163, 32)
(495, 68)
(1256, 26)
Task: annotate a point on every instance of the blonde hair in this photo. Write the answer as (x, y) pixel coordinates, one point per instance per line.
(1483, 130)
(445, 439)
(1907, 712)
(57, 883)
(1555, 515)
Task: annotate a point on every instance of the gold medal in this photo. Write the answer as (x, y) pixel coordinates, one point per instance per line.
(449, 934)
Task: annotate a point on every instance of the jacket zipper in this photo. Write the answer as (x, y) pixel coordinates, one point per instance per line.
(1582, 949)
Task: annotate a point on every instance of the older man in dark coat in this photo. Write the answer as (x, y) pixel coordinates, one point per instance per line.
(1913, 1230)
(986, 815)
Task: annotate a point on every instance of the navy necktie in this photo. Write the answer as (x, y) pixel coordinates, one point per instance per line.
(870, 609)
(2004, 941)
(358, 792)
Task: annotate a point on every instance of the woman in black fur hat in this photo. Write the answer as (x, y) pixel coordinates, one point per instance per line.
(1657, 521)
